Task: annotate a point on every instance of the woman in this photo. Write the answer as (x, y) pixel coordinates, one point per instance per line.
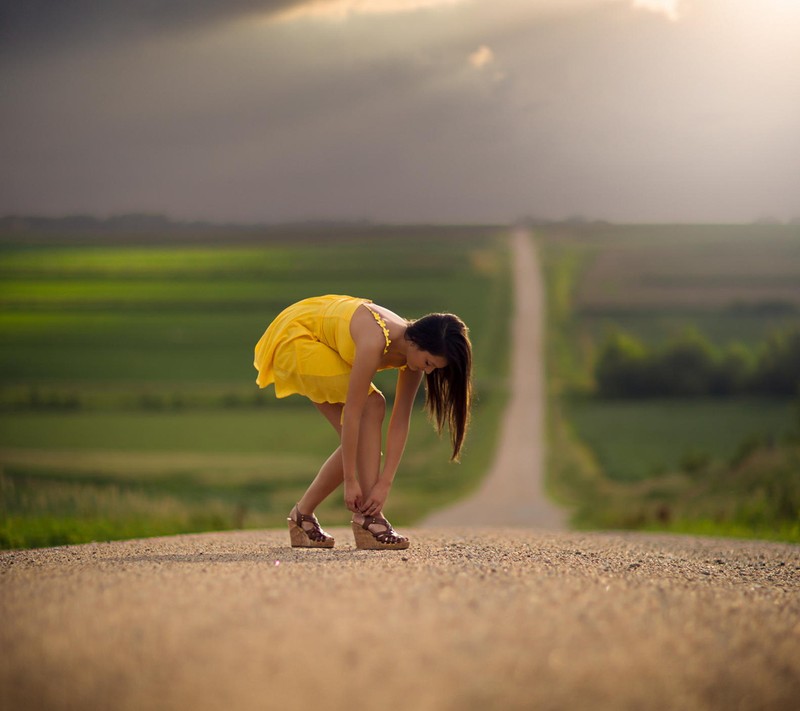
(328, 348)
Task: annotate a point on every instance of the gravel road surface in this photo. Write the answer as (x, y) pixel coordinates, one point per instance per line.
(464, 619)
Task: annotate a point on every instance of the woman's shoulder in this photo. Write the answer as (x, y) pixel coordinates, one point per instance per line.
(375, 327)
(387, 315)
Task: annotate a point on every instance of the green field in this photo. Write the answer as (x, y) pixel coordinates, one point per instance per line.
(127, 397)
(733, 283)
(625, 463)
(635, 441)
(128, 405)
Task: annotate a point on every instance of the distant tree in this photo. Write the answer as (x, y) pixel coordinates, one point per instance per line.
(622, 368)
(778, 366)
(734, 372)
(686, 367)
(690, 366)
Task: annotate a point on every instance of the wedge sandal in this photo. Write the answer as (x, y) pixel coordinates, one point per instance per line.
(307, 538)
(369, 540)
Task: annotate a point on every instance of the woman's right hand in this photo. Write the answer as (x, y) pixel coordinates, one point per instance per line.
(352, 495)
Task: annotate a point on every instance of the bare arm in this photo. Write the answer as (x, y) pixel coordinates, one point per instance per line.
(407, 386)
(397, 436)
(369, 349)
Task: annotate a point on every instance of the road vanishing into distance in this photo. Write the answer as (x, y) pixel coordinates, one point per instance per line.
(512, 494)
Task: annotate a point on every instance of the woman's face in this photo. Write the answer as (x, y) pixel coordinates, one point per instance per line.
(418, 360)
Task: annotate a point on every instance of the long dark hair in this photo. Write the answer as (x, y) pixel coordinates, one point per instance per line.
(448, 390)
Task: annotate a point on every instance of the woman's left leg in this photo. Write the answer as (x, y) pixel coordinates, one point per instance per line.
(331, 474)
(325, 483)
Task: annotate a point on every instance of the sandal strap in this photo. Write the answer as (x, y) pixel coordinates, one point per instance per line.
(306, 517)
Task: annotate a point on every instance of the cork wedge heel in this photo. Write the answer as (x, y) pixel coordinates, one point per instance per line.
(387, 539)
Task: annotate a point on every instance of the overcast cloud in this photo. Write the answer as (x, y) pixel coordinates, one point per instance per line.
(402, 110)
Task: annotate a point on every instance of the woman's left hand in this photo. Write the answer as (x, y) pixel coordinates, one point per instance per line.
(375, 500)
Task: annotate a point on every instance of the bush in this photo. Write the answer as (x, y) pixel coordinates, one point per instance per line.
(778, 371)
(685, 368)
(690, 366)
(734, 371)
(622, 368)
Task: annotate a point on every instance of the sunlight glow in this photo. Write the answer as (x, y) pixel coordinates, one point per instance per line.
(342, 9)
(481, 57)
(669, 8)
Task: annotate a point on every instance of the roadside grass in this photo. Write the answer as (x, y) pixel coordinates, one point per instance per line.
(199, 471)
(656, 465)
(637, 440)
(127, 398)
(755, 495)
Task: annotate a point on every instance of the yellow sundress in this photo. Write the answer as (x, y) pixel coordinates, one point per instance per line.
(308, 349)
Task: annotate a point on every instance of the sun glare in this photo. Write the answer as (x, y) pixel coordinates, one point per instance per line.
(668, 8)
(481, 57)
(342, 9)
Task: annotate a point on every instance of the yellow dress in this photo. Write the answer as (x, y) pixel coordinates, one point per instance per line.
(308, 349)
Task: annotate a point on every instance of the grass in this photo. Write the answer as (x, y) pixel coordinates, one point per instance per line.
(127, 397)
(669, 465)
(637, 440)
(180, 325)
(734, 283)
(203, 470)
(242, 431)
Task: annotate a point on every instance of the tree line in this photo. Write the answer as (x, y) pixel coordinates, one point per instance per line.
(691, 366)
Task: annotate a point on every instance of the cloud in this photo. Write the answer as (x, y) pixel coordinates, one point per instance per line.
(342, 9)
(35, 25)
(481, 57)
(606, 109)
(664, 7)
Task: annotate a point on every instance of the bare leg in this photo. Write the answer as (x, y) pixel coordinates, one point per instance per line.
(328, 479)
(331, 474)
(370, 434)
(368, 458)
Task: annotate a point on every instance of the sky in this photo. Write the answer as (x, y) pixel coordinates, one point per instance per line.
(462, 111)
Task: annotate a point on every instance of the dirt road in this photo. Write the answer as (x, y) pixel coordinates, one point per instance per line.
(466, 619)
(513, 492)
(463, 620)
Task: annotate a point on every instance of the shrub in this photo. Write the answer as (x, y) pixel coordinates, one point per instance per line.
(622, 368)
(734, 372)
(778, 369)
(690, 366)
(685, 368)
